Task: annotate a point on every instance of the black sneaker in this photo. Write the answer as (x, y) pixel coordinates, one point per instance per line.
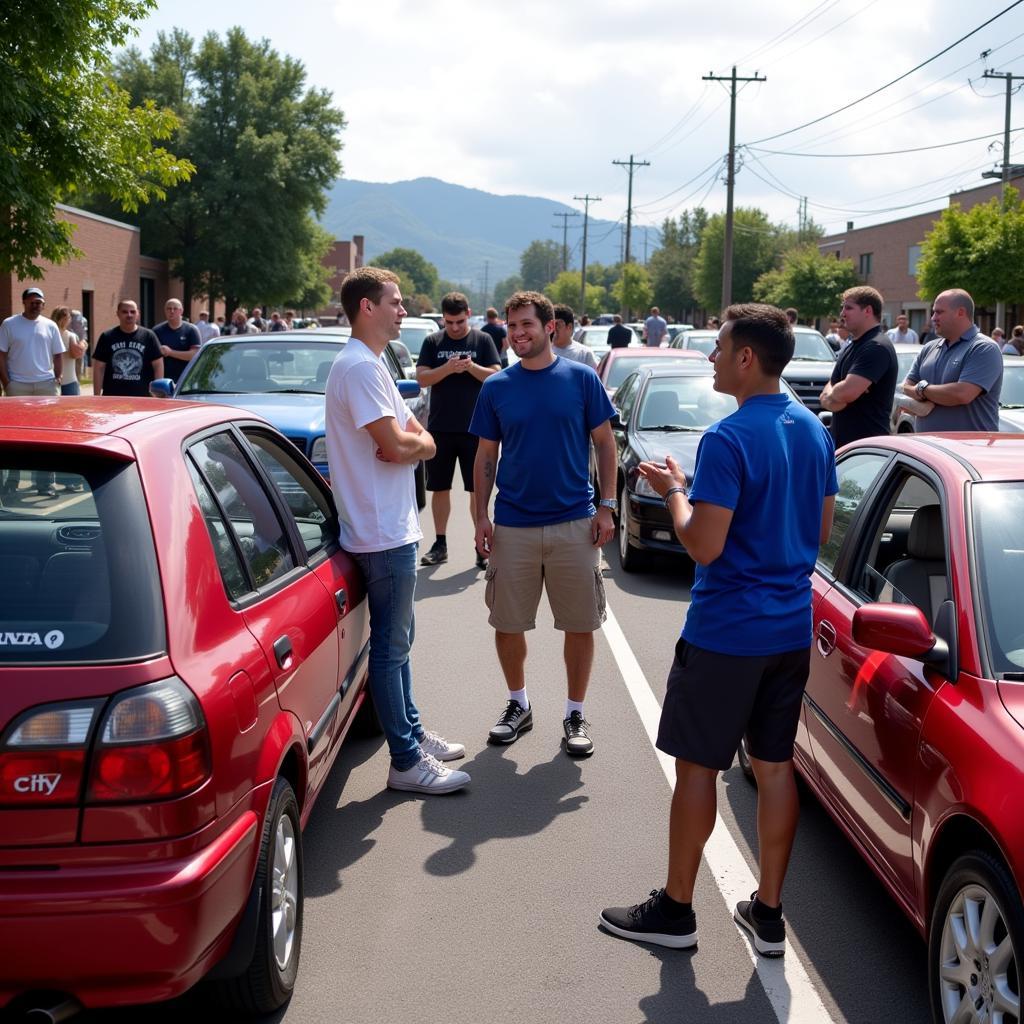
(646, 922)
(769, 935)
(436, 555)
(577, 740)
(514, 720)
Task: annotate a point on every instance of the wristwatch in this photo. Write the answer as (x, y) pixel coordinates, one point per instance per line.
(920, 387)
(612, 503)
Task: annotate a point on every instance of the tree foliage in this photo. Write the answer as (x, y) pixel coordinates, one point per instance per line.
(66, 128)
(756, 248)
(540, 264)
(807, 280)
(566, 288)
(506, 287)
(980, 250)
(266, 150)
(633, 289)
(672, 265)
(421, 273)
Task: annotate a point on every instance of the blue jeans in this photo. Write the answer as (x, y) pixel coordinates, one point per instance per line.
(74, 388)
(390, 588)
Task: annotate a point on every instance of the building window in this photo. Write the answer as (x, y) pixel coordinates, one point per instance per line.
(865, 264)
(147, 301)
(913, 256)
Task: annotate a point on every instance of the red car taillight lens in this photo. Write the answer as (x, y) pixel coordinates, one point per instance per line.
(43, 754)
(152, 744)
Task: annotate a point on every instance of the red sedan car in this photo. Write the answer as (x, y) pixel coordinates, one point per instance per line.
(913, 728)
(618, 363)
(182, 650)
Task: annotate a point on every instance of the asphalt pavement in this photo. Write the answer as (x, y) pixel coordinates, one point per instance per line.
(483, 905)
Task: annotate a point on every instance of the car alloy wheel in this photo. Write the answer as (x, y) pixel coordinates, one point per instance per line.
(630, 559)
(974, 947)
(284, 891)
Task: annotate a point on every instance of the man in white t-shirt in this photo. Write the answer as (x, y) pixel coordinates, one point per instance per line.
(206, 329)
(902, 333)
(31, 350)
(373, 443)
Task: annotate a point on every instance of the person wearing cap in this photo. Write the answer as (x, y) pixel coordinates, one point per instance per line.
(31, 350)
(206, 329)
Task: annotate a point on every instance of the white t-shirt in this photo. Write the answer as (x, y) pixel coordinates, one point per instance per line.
(909, 338)
(206, 330)
(376, 500)
(577, 352)
(70, 374)
(30, 346)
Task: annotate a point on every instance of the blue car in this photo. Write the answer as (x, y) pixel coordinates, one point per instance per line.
(282, 377)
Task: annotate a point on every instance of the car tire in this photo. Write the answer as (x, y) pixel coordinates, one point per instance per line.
(744, 759)
(267, 983)
(420, 477)
(630, 558)
(977, 884)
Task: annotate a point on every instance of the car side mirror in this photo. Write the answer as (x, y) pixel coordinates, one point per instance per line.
(826, 417)
(616, 421)
(162, 387)
(900, 629)
(408, 388)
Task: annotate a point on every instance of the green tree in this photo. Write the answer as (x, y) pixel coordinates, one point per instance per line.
(671, 265)
(539, 264)
(266, 150)
(980, 250)
(808, 280)
(756, 248)
(420, 272)
(566, 288)
(633, 289)
(315, 290)
(506, 287)
(66, 128)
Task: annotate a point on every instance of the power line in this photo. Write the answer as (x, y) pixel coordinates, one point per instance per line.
(693, 131)
(820, 36)
(801, 23)
(882, 88)
(679, 124)
(685, 184)
(888, 152)
(632, 164)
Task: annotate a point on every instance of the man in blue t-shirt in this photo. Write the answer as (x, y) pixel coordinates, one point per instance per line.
(179, 340)
(543, 412)
(759, 507)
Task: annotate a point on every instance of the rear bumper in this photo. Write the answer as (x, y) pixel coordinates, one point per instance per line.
(131, 933)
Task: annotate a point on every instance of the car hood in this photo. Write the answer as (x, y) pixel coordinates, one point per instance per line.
(1011, 421)
(808, 370)
(654, 445)
(293, 415)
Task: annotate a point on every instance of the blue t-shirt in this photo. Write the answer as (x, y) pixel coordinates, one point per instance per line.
(773, 463)
(543, 419)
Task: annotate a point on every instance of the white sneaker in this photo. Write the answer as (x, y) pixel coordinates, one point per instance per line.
(428, 775)
(439, 747)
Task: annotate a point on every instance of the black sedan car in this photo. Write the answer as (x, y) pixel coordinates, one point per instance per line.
(659, 412)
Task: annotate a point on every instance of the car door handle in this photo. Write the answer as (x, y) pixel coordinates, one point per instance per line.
(341, 600)
(826, 638)
(283, 651)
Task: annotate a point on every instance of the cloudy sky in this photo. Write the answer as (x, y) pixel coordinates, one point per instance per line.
(539, 98)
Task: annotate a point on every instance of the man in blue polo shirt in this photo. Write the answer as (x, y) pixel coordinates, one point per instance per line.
(960, 373)
(759, 506)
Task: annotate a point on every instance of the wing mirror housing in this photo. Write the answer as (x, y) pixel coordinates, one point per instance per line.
(408, 388)
(162, 387)
(900, 629)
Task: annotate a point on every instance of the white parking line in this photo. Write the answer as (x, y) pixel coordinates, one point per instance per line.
(786, 982)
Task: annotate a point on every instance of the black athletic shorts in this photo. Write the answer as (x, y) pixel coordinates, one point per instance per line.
(713, 700)
(451, 447)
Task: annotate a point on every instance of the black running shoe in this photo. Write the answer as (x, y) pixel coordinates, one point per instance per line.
(514, 720)
(769, 935)
(436, 555)
(577, 740)
(646, 922)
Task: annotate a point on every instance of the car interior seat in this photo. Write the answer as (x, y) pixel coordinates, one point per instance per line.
(323, 372)
(661, 409)
(921, 576)
(252, 372)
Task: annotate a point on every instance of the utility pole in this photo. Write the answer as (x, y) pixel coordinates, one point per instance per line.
(586, 201)
(565, 236)
(632, 165)
(487, 281)
(731, 178)
(1008, 169)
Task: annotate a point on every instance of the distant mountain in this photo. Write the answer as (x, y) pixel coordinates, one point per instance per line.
(458, 228)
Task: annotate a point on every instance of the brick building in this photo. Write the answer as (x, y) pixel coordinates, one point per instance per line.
(342, 258)
(111, 268)
(886, 255)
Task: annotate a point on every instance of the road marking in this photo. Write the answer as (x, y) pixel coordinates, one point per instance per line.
(786, 982)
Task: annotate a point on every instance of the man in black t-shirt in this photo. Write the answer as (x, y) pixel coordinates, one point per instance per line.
(127, 357)
(453, 363)
(619, 335)
(179, 340)
(499, 335)
(860, 393)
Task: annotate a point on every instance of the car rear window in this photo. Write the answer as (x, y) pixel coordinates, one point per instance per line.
(80, 580)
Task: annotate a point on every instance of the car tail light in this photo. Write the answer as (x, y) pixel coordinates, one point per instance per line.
(43, 754)
(152, 745)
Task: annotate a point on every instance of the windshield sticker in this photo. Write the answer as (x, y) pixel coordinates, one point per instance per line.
(52, 640)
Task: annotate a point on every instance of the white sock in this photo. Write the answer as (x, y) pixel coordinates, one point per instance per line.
(573, 705)
(520, 697)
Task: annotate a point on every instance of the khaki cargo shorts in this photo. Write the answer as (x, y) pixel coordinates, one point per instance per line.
(563, 560)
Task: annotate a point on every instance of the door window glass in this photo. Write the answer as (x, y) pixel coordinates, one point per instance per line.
(625, 397)
(856, 475)
(235, 582)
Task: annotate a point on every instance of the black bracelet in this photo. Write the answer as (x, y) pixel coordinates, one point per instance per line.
(674, 490)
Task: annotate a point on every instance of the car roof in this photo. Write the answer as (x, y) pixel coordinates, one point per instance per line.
(419, 321)
(995, 456)
(691, 368)
(322, 334)
(636, 352)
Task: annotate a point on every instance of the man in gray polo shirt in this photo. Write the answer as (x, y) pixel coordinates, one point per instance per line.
(960, 373)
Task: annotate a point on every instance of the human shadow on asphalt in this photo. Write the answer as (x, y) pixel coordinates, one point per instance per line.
(427, 585)
(668, 576)
(863, 947)
(528, 804)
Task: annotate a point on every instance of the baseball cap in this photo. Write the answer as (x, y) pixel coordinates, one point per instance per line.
(28, 292)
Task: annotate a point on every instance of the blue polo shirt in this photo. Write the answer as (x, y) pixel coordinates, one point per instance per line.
(773, 463)
(975, 358)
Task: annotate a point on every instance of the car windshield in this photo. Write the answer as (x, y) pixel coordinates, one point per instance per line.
(623, 366)
(904, 361)
(998, 516)
(80, 580)
(595, 337)
(1012, 394)
(413, 337)
(682, 403)
(702, 342)
(243, 369)
(811, 345)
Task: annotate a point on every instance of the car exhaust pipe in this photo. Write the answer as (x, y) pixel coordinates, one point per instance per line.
(53, 1014)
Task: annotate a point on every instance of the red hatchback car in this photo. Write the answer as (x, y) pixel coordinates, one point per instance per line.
(913, 728)
(182, 649)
